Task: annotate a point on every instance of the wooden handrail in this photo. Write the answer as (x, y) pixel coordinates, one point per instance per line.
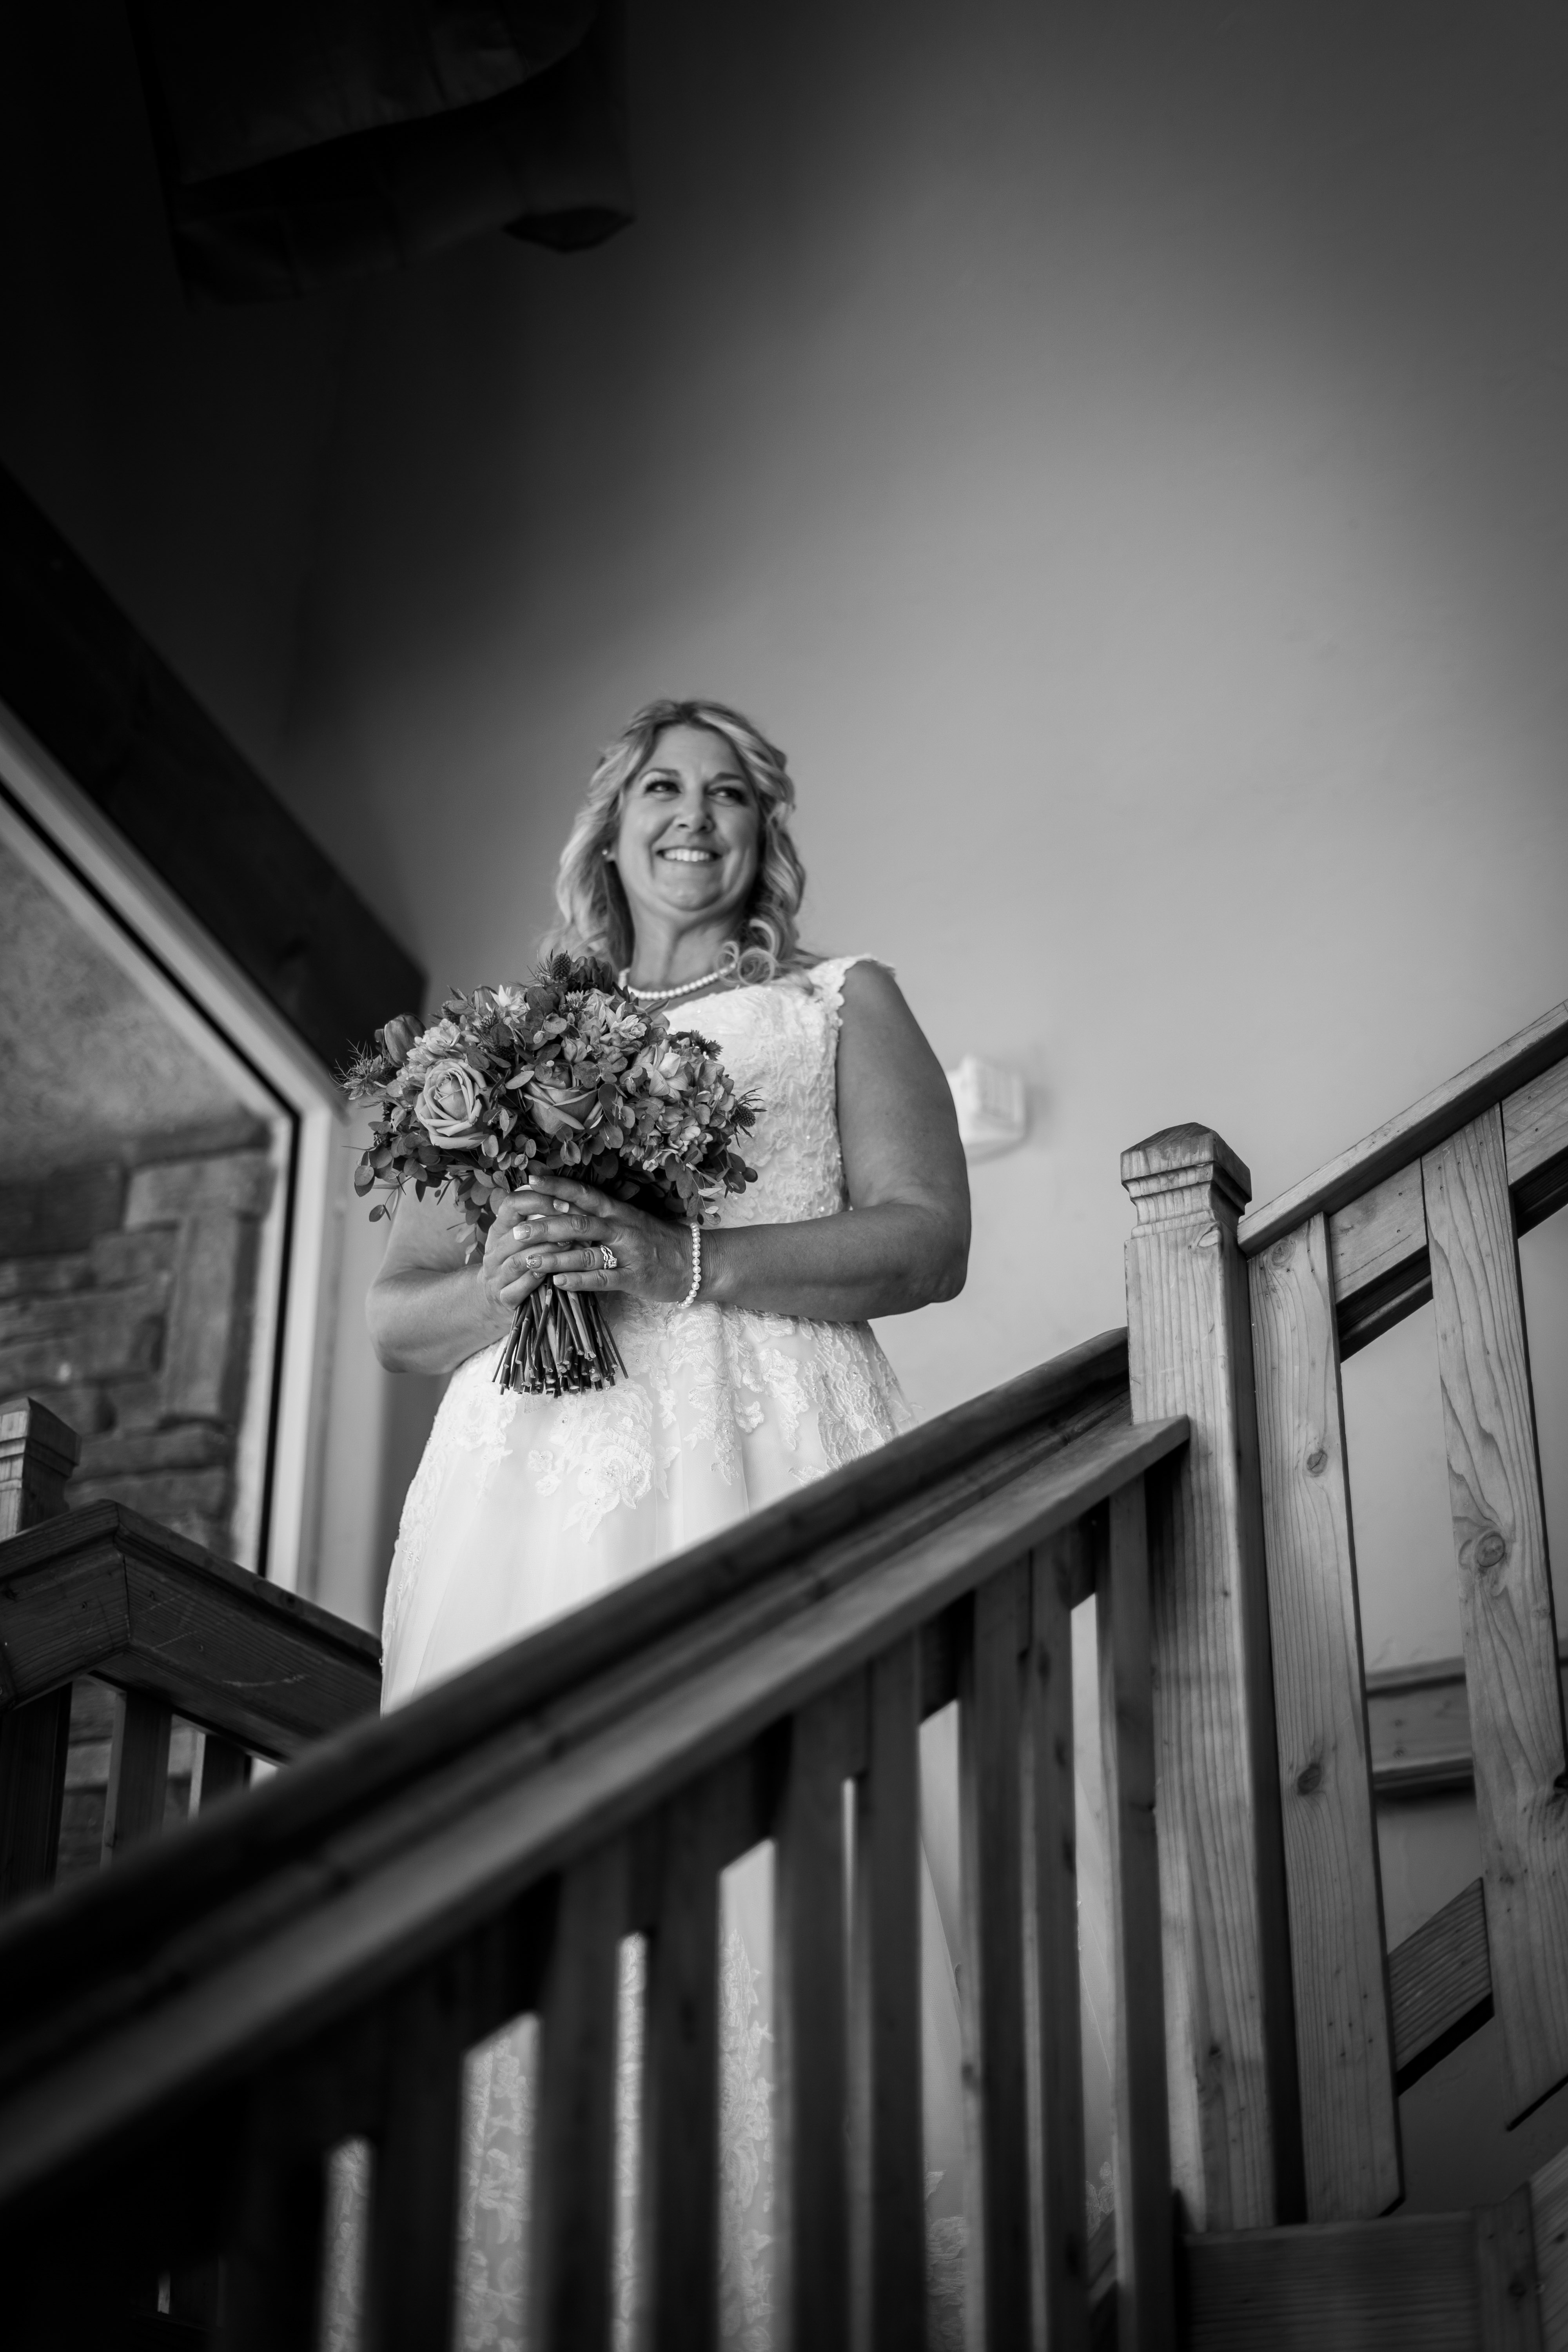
(107, 1595)
(105, 1591)
(272, 1941)
(355, 1872)
(1505, 1072)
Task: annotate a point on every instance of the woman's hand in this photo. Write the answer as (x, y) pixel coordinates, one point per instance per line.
(558, 1232)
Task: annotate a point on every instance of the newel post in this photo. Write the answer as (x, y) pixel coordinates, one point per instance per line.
(1235, 2141)
(37, 1453)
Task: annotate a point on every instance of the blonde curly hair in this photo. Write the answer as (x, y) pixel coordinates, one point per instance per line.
(596, 918)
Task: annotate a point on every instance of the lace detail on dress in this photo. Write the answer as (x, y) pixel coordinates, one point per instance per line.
(474, 1417)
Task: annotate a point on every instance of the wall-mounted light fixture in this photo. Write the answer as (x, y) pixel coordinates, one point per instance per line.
(992, 1104)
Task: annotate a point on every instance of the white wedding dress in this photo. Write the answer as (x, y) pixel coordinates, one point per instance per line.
(525, 1506)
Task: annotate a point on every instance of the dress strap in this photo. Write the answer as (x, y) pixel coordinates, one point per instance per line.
(826, 979)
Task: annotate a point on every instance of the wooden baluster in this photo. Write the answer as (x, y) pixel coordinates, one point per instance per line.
(271, 2291)
(678, 2263)
(1235, 2118)
(574, 2149)
(1060, 1576)
(137, 1770)
(886, 1995)
(809, 2167)
(995, 2042)
(1505, 1600)
(225, 1771)
(37, 1453)
(412, 2287)
(1349, 2111)
(1144, 2222)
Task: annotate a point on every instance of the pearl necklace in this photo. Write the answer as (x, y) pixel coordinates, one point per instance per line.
(665, 995)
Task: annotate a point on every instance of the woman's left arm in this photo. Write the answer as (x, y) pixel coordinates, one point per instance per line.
(903, 1243)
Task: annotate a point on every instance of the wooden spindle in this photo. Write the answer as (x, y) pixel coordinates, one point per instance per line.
(412, 2287)
(574, 2149)
(809, 2157)
(225, 1771)
(1505, 1599)
(885, 2036)
(1350, 2110)
(1144, 2220)
(1236, 2123)
(271, 2291)
(677, 2264)
(137, 1770)
(1060, 1575)
(39, 1452)
(995, 2040)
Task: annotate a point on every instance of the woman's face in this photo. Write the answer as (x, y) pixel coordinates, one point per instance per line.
(688, 844)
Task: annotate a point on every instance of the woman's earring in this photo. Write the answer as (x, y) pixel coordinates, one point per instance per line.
(609, 855)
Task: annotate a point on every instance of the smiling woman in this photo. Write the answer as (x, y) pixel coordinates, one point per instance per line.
(750, 1365)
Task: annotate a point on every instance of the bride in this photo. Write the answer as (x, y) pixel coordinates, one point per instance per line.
(750, 1365)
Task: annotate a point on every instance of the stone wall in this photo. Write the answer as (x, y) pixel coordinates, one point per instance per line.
(127, 1297)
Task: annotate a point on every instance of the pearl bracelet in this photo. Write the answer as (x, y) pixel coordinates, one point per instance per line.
(696, 1265)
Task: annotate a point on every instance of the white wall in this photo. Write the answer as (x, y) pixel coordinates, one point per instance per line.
(1119, 456)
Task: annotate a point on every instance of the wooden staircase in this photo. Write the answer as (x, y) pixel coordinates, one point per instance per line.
(185, 2041)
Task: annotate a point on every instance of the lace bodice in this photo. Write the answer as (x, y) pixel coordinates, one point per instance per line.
(545, 1501)
(780, 1043)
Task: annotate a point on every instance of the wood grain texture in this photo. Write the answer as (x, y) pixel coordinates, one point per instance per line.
(1549, 2214)
(1235, 2139)
(574, 2146)
(1145, 2293)
(106, 1592)
(677, 2269)
(811, 2103)
(996, 2049)
(380, 1852)
(1419, 1719)
(1535, 1140)
(1349, 2114)
(885, 2029)
(1404, 2284)
(1377, 1248)
(1506, 2285)
(39, 1451)
(1058, 1573)
(138, 1771)
(1505, 1600)
(1415, 1131)
(1440, 1984)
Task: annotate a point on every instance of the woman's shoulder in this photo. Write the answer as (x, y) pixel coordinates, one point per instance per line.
(824, 976)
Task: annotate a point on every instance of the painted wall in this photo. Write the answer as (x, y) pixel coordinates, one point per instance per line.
(1119, 454)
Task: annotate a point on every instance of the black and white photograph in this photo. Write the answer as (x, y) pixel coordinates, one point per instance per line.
(784, 1177)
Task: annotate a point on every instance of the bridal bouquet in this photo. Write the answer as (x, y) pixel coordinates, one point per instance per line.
(563, 1075)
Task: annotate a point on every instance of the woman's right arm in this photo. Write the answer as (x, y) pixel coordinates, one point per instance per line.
(428, 1312)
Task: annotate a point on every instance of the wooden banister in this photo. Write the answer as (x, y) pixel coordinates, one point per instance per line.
(103, 1592)
(413, 1885)
(107, 1592)
(37, 1453)
(1510, 1071)
(1234, 2130)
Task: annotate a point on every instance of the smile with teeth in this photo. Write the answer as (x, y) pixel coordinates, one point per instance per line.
(690, 857)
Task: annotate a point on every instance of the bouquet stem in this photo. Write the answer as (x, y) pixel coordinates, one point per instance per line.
(560, 1344)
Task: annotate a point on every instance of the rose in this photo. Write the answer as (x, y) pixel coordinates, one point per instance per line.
(448, 1103)
(559, 1110)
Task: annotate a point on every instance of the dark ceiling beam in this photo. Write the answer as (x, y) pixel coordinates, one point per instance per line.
(86, 683)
